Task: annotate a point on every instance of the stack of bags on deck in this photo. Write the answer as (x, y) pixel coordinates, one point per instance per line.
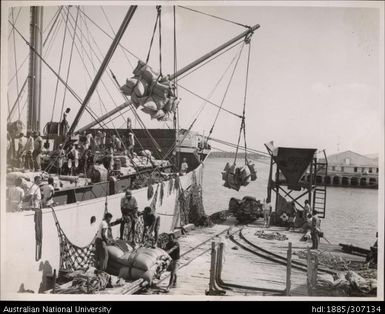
(235, 177)
(145, 263)
(146, 89)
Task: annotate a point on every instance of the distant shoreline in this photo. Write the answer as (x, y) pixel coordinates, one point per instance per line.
(240, 155)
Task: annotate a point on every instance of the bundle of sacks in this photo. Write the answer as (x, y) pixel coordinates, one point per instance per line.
(235, 177)
(145, 263)
(157, 97)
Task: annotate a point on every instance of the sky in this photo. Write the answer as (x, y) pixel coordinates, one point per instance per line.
(314, 73)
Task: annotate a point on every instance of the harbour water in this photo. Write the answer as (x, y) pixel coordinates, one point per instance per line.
(351, 213)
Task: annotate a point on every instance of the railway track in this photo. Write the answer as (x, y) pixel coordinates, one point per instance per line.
(241, 241)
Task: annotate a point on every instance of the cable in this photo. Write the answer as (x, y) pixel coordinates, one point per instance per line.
(60, 63)
(14, 55)
(113, 31)
(214, 16)
(69, 62)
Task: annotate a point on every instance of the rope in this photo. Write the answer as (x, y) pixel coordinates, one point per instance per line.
(108, 35)
(214, 16)
(113, 31)
(243, 126)
(225, 94)
(26, 57)
(209, 60)
(14, 20)
(153, 35)
(14, 56)
(159, 8)
(69, 62)
(60, 63)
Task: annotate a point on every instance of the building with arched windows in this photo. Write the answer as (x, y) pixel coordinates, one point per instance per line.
(350, 169)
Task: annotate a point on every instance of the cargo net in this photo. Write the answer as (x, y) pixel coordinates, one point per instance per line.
(73, 257)
(191, 207)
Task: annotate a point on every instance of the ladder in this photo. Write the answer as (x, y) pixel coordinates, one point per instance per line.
(319, 192)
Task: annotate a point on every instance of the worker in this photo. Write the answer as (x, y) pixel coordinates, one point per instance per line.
(173, 249)
(129, 209)
(64, 122)
(15, 196)
(116, 143)
(266, 207)
(37, 150)
(315, 230)
(183, 167)
(98, 141)
(20, 154)
(47, 191)
(60, 158)
(307, 209)
(151, 224)
(131, 144)
(34, 194)
(75, 155)
(103, 239)
(28, 149)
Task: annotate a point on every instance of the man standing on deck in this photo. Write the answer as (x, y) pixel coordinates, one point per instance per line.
(129, 209)
(38, 147)
(315, 230)
(28, 148)
(173, 249)
(35, 194)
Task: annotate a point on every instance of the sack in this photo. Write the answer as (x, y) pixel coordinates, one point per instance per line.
(253, 172)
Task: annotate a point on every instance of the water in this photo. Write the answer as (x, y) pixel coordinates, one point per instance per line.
(351, 214)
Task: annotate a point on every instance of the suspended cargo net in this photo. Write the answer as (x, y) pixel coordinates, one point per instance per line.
(73, 257)
(148, 89)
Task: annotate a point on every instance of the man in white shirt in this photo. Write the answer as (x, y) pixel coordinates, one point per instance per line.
(35, 194)
(183, 167)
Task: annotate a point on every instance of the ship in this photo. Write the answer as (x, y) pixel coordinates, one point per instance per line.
(61, 238)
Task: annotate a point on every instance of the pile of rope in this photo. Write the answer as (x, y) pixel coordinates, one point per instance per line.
(271, 235)
(333, 261)
(87, 282)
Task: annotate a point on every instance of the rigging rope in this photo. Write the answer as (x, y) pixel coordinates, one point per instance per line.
(60, 63)
(113, 31)
(225, 94)
(214, 16)
(209, 60)
(14, 20)
(15, 61)
(243, 125)
(159, 8)
(153, 35)
(69, 62)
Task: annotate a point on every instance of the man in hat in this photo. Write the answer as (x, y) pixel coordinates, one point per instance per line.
(129, 209)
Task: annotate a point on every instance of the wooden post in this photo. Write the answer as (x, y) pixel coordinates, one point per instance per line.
(288, 270)
(312, 268)
(212, 269)
(54, 281)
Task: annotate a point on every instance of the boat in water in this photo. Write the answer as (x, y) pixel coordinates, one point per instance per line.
(61, 236)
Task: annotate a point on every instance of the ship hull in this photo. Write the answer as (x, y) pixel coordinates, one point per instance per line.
(21, 270)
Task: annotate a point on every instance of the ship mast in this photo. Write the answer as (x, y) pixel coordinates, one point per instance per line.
(34, 77)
